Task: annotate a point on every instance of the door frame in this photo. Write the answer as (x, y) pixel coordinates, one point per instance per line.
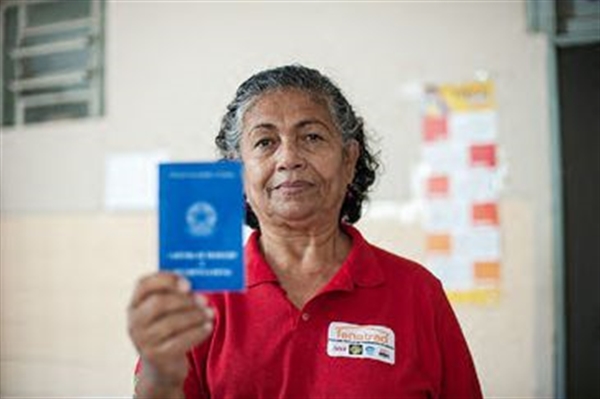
(543, 16)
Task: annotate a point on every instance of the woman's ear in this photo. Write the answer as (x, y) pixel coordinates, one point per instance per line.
(351, 152)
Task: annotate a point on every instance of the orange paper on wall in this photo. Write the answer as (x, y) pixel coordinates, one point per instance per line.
(439, 243)
(487, 270)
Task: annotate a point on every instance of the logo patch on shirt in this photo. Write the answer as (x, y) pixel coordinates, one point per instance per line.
(361, 342)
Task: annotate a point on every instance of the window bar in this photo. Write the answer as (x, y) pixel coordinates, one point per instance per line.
(50, 48)
(48, 81)
(21, 24)
(94, 103)
(57, 27)
(66, 97)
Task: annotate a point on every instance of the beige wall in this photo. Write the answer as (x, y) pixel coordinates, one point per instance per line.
(68, 265)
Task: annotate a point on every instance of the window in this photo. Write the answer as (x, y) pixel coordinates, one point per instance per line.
(52, 60)
(578, 16)
(567, 21)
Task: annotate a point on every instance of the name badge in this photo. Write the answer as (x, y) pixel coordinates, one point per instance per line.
(201, 212)
(361, 342)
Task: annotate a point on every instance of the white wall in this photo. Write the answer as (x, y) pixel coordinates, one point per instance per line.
(171, 68)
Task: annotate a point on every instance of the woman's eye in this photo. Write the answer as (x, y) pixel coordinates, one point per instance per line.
(312, 137)
(263, 143)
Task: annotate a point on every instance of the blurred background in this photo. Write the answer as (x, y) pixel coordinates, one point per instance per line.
(95, 93)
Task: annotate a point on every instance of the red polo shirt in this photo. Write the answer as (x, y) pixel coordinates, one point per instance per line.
(381, 328)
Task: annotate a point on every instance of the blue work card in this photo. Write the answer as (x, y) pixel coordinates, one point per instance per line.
(201, 212)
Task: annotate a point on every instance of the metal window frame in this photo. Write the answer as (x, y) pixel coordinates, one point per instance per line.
(582, 27)
(92, 73)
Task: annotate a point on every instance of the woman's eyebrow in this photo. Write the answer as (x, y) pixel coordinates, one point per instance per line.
(262, 126)
(306, 122)
(301, 124)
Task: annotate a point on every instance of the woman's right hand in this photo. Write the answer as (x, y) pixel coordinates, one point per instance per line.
(165, 320)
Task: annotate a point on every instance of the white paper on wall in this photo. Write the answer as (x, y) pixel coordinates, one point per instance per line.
(131, 180)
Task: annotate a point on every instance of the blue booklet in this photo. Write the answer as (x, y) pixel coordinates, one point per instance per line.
(201, 213)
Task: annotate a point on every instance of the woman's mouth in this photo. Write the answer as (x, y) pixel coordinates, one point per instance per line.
(292, 186)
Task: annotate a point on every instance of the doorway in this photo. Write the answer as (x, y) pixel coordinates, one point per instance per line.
(578, 70)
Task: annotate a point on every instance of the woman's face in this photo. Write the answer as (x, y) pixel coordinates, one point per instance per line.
(296, 167)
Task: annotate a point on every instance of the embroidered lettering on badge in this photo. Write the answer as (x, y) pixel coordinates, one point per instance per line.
(361, 342)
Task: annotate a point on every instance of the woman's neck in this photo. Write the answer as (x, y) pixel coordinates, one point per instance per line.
(304, 251)
(304, 260)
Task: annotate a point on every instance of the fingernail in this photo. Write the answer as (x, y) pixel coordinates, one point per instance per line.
(201, 300)
(183, 285)
(208, 326)
(210, 313)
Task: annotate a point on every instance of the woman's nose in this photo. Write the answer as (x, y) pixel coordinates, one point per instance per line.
(289, 156)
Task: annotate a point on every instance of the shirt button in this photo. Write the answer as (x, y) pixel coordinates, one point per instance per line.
(305, 316)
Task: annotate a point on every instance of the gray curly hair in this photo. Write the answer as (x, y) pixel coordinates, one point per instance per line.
(348, 123)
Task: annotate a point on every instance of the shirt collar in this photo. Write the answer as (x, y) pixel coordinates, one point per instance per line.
(257, 267)
(360, 268)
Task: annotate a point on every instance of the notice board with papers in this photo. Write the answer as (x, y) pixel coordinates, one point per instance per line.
(460, 190)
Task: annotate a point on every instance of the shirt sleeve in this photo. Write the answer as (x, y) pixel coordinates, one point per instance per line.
(459, 378)
(136, 377)
(192, 387)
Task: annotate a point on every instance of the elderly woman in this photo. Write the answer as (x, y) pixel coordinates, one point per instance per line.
(325, 314)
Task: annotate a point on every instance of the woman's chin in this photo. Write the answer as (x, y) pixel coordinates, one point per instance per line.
(299, 215)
